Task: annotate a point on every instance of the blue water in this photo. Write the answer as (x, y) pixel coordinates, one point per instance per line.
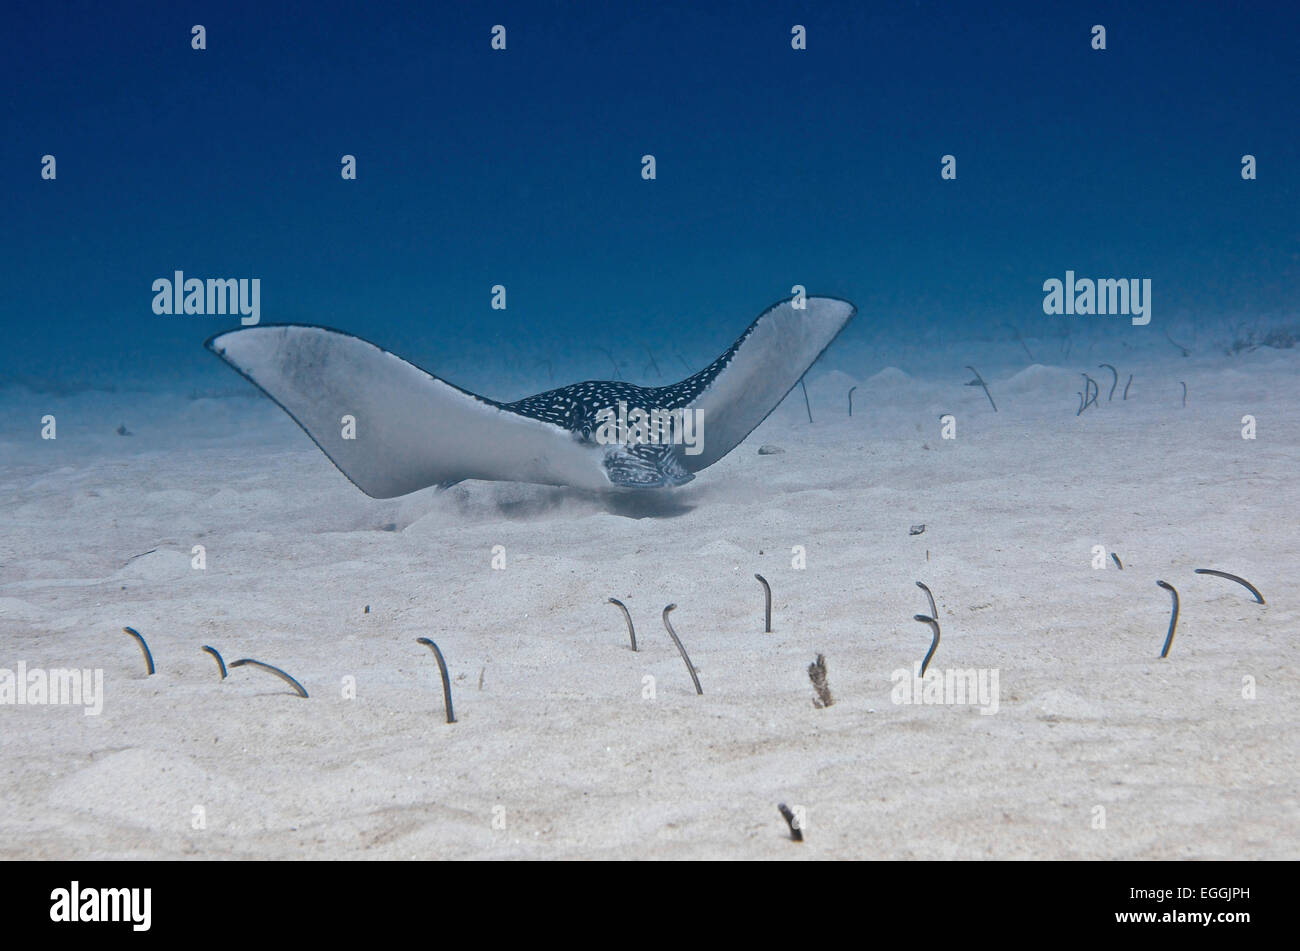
(523, 168)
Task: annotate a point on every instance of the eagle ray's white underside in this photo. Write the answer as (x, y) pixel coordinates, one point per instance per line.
(413, 430)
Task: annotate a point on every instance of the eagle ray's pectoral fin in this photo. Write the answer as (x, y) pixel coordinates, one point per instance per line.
(409, 429)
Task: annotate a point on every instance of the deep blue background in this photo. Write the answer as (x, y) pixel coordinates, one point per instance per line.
(523, 168)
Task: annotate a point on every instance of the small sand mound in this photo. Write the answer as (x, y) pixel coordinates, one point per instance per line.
(150, 788)
(1064, 705)
(1038, 379)
(833, 382)
(888, 377)
(17, 610)
(721, 550)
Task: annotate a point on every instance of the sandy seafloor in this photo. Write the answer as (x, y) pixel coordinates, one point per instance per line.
(554, 738)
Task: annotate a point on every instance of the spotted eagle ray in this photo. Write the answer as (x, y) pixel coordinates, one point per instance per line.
(393, 428)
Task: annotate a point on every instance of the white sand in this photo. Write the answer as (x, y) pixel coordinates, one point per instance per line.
(559, 735)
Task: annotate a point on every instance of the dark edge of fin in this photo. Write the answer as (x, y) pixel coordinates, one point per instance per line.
(720, 363)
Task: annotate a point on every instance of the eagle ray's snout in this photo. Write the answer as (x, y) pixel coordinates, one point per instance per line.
(646, 467)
